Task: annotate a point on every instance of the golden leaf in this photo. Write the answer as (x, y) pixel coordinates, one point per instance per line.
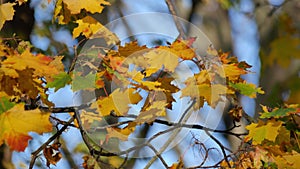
(118, 101)
(6, 13)
(182, 48)
(87, 26)
(121, 134)
(156, 109)
(91, 6)
(16, 123)
(162, 57)
(260, 131)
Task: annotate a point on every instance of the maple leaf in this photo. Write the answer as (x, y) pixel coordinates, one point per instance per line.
(121, 134)
(139, 78)
(200, 86)
(91, 6)
(61, 12)
(260, 131)
(247, 89)
(42, 65)
(168, 89)
(279, 112)
(288, 160)
(88, 117)
(233, 71)
(118, 101)
(52, 154)
(6, 13)
(162, 57)
(81, 82)
(183, 49)
(156, 109)
(130, 48)
(16, 123)
(87, 26)
(59, 81)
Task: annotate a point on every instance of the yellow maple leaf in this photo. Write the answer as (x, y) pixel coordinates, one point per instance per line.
(260, 131)
(232, 71)
(16, 123)
(155, 110)
(118, 101)
(290, 161)
(147, 85)
(61, 12)
(162, 57)
(91, 6)
(182, 48)
(87, 26)
(200, 86)
(41, 64)
(6, 13)
(121, 134)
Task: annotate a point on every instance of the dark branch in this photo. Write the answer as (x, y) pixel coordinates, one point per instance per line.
(35, 154)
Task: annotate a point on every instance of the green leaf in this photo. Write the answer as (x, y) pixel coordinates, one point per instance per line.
(60, 81)
(84, 82)
(247, 89)
(5, 104)
(278, 113)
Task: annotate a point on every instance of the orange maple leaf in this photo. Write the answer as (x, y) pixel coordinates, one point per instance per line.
(16, 123)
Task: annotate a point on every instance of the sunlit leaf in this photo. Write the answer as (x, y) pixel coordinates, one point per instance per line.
(121, 133)
(16, 123)
(118, 101)
(279, 112)
(183, 49)
(60, 81)
(261, 131)
(87, 27)
(6, 13)
(247, 89)
(92, 6)
(162, 57)
(157, 109)
(130, 48)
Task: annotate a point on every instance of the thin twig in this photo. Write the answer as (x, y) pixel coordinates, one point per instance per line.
(34, 154)
(158, 155)
(175, 17)
(192, 126)
(221, 146)
(185, 116)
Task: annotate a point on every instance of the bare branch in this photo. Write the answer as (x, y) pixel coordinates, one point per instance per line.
(35, 154)
(177, 23)
(185, 116)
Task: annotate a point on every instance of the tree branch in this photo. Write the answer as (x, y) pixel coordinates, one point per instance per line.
(34, 154)
(185, 116)
(177, 23)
